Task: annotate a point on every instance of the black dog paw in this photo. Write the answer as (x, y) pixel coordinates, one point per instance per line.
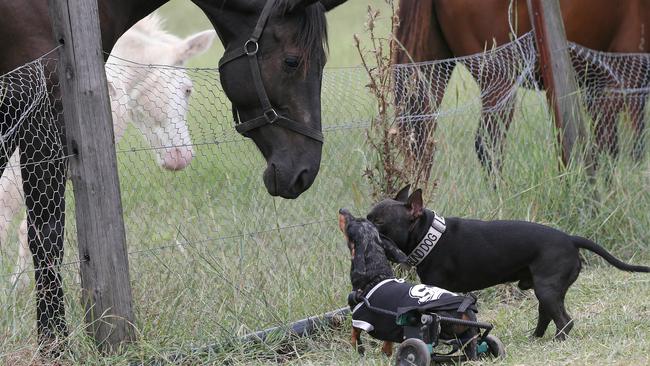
(404, 267)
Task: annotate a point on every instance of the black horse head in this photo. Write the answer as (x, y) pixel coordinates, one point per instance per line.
(271, 72)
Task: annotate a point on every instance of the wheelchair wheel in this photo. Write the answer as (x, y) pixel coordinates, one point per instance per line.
(413, 352)
(495, 347)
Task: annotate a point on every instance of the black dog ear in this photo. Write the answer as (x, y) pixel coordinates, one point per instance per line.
(393, 253)
(403, 193)
(414, 203)
(331, 4)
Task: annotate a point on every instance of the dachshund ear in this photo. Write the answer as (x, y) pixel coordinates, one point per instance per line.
(393, 253)
(403, 193)
(342, 224)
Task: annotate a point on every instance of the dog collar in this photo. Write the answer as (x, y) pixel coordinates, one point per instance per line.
(429, 241)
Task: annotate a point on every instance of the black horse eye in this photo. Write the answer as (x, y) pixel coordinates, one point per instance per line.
(292, 62)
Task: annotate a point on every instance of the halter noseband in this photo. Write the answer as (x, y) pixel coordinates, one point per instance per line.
(269, 115)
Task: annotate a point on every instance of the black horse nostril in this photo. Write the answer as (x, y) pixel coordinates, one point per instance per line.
(303, 181)
(271, 180)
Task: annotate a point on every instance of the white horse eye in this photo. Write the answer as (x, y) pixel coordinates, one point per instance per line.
(188, 92)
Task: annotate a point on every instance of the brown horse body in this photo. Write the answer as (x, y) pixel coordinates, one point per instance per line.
(443, 29)
(25, 36)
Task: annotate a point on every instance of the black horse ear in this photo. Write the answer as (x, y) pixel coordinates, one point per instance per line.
(331, 4)
(415, 203)
(403, 193)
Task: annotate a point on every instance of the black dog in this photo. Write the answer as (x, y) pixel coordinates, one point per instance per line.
(373, 277)
(466, 255)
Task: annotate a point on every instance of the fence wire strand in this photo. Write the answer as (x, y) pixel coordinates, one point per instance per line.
(211, 254)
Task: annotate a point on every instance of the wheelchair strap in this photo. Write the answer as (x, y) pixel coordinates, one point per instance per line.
(469, 300)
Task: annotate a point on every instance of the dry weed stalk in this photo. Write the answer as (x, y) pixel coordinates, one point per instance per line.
(401, 154)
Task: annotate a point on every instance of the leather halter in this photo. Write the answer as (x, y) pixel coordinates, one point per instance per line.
(269, 115)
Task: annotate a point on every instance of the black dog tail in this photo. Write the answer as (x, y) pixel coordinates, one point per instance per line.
(584, 243)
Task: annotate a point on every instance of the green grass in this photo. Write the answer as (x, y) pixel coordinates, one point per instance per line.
(214, 257)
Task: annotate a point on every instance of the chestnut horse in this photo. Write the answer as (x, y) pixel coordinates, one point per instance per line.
(444, 29)
(271, 73)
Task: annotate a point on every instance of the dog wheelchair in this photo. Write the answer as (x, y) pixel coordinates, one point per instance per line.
(422, 333)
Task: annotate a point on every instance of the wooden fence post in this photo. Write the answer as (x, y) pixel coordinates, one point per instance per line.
(558, 73)
(93, 169)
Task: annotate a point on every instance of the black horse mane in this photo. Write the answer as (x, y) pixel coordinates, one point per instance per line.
(312, 38)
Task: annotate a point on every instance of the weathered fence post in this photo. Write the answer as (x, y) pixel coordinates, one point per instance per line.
(93, 170)
(558, 73)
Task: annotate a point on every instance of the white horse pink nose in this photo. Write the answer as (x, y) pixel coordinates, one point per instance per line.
(177, 158)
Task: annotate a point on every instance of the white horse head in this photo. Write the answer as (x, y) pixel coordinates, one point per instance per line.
(155, 99)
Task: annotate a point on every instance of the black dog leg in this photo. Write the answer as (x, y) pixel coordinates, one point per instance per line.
(356, 341)
(563, 331)
(470, 339)
(543, 321)
(551, 305)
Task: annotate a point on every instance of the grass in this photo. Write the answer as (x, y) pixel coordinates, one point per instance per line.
(214, 257)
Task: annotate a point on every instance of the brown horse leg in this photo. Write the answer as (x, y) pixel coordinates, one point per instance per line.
(498, 96)
(604, 109)
(419, 93)
(637, 109)
(419, 90)
(496, 115)
(635, 102)
(606, 130)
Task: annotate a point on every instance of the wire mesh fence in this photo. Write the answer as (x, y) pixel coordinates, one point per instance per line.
(31, 123)
(612, 86)
(211, 254)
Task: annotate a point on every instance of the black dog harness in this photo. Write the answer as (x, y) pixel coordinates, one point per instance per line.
(426, 245)
(269, 115)
(393, 295)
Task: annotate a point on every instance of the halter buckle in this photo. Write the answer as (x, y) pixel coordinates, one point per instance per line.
(247, 50)
(271, 115)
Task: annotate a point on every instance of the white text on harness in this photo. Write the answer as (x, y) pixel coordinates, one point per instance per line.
(429, 241)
